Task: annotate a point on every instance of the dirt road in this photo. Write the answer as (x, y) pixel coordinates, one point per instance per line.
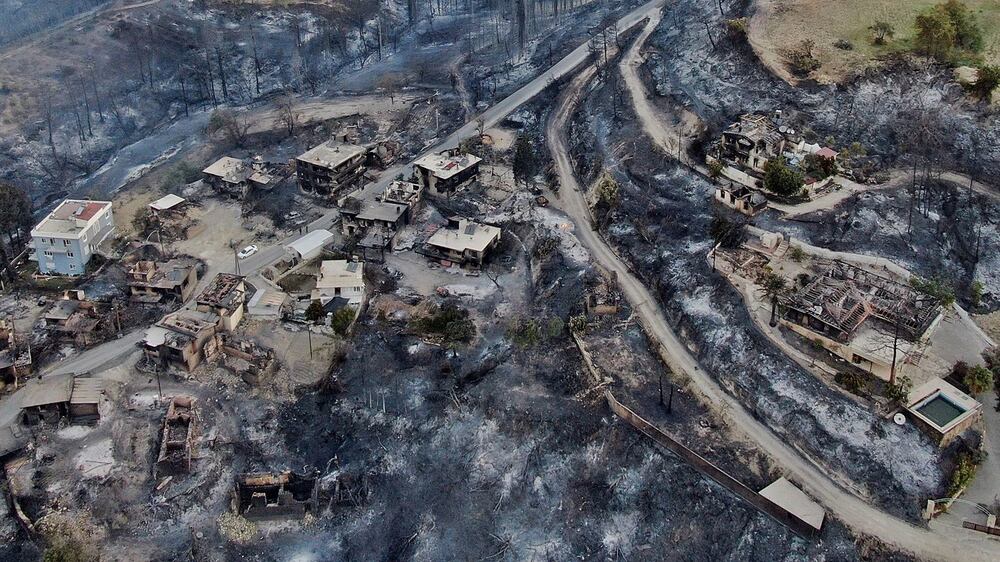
(941, 542)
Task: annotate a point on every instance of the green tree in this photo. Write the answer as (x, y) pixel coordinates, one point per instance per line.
(774, 287)
(934, 287)
(979, 379)
(936, 33)
(900, 391)
(315, 312)
(341, 320)
(780, 179)
(882, 31)
(525, 162)
(976, 294)
(988, 79)
(820, 167)
(968, 36)
(607, 190)
(715, 168)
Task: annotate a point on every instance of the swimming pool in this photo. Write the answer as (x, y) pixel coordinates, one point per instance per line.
(940, 410)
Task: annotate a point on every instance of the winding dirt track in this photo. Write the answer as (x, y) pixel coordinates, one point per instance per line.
(940, 542)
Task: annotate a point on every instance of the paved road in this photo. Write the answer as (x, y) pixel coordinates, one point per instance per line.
(93, 360)
(490, 117)
(941, 542)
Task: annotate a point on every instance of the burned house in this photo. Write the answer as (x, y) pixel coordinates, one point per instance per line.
(247, 359)
(15, 355)
(872, 321)
(377, 221)
(235, 178)
(462, 242)
(74, 320)
(445, 172)
(77, 397)
(225, 297)
(383, 153)
(183, 339)
(751, 142)
(359, 216)
(153, 282)
(741, 199)
(281, 495)
(330, 168)
(177, 444)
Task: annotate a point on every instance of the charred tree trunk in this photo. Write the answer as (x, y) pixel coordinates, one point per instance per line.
(222, 73)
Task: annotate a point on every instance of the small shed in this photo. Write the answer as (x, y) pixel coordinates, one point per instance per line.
(168, 202)
(85, 400)
(793, 500)
(311, 245)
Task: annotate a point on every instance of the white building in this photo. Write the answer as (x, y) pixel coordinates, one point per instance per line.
(64, 241)
(463, 241)
(340, 279)
(310, 246)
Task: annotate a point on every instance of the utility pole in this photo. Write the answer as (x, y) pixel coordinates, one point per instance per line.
(670, 400)
(309, 331)
(159, 389)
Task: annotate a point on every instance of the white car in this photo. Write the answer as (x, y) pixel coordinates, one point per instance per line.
(247, 252)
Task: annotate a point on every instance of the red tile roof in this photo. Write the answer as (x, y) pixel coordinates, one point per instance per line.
(83, 210)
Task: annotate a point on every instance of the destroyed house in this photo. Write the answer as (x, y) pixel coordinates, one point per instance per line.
(280, 495)
(403, 193)
(63, 242)
(358, 216)
(183, 339)
(153, 282)
(74, 321)
(863, 317)
(234, 177)
(330, 168)
(15, 356)
(463, 242)
(224, 297)
(446, 171)
(751, 142)
(741, 199)
(177, 444)
(51, 399)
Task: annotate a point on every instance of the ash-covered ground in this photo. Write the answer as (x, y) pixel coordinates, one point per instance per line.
(949, 234)
(912, 107)
(662, 228)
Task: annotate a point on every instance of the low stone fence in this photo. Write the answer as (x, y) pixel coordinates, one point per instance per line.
(750, 496)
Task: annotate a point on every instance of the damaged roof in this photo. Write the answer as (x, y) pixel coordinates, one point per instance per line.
(444, 165)
(230, 170)
(224, 292)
